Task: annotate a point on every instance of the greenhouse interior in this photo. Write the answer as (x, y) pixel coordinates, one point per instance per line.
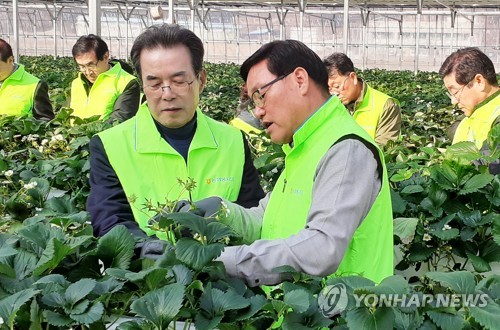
(393, 34)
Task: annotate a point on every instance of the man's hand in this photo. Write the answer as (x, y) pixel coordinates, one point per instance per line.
(208, 207)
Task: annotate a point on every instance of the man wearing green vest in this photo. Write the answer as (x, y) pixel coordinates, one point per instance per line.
(103, 86)
(378, 113)
(330, 211)
(244, 120)
(169, 139)
(20, 92)
(470, 78)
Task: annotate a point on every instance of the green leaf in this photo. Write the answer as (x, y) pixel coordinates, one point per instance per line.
(446, 321)
(362, 318)
(216, 302)
(419, 252)
(463, 150)
(398, 203)
(256, 304)
(395, 284)
(480, 265)
(91, 315)
(57, 319)
(160, 306)
(412, 189)
(444, 176)
(116, 248)
(53, 254)
(445, 235)
(488, 316)
(195, 254)
(61, 205)
(475, 183)
(6, 248)
(404, 228)
(458, 282)
(10, 306)
(472, 219)
(298, 300)
(79, 290)
(203, 323)
(183, 275)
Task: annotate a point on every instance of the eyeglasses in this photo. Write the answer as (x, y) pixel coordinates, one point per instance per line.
(257, 98)
(458, 92)
(176, 87)
(90, 66)
(337, 89)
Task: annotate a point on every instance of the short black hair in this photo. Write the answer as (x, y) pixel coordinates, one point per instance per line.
(5, 50)
(466, 63)
(88, 43)
(340, 63)
(284, 56)
(167, 36)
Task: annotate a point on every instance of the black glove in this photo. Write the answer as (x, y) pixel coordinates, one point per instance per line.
(152, 249)
(179, 207)
(208, 207)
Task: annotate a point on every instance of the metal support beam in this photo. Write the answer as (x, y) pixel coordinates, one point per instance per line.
(346, 25)
(95, 16)
(417, 35)
(170, 19)
(15, 27)
(365, 13)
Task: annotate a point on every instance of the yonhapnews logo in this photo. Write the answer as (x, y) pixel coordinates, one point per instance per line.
(332, 300)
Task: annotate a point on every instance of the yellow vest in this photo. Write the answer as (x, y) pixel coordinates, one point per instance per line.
(244, 126)
(370, 252)
(369, 111)
(18, 92)
(107, 88)
(149, 168)
(476, 127)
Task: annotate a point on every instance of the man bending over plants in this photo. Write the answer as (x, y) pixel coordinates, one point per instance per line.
(142, 160)
(20, 92)
(330, 211)
(470, 78)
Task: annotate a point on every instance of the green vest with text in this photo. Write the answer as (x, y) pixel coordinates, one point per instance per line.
(370, 252)
(244, 126)
(476, 127)
(18, 92)
(103, 94)
(149, 168)
(369, 111)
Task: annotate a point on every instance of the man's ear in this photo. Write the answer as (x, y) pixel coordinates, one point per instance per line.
(481, 82)
(203, 80)
(10, 60)
(354, 76)
(302, 79)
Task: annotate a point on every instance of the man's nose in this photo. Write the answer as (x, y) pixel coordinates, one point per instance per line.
(259, 112)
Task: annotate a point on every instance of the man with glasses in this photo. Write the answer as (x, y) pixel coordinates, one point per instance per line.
(20, 92)
(378, 113)
(330, 211)
(169, 139)
(103, 87)
(470, 78)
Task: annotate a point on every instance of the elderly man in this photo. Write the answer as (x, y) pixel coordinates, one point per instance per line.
(20, 92)
(378, 113)
(470, 78)
(103, 86)
(169, 139)
(330, 211)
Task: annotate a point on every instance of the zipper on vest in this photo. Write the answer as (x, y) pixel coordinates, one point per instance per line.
(284, 186)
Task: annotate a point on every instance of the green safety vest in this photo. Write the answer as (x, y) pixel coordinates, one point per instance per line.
(149, 168)
(18, 92)
(369, 111)
(370, 252)
(476, 127)
(103, 94)
(244, 126)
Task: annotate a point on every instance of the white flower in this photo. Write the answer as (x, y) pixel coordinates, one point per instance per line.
(446, 227)
(44, 142)
(40, 148)
(30, 185)
(9, 173)
(59, 137)
(427, 237)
